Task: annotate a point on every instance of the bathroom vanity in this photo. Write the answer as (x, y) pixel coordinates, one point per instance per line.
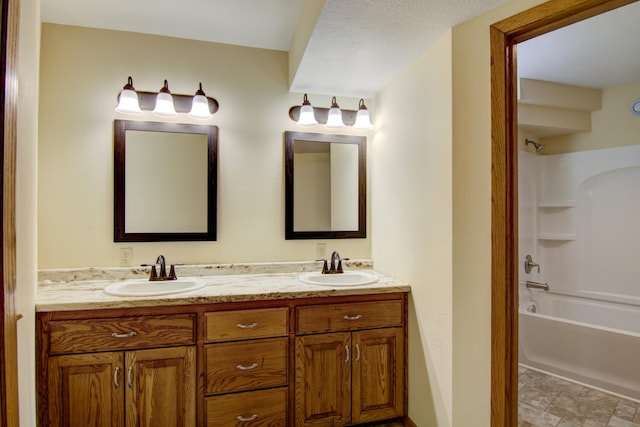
(255, 350)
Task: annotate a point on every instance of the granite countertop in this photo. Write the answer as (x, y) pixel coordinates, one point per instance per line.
(82, 289)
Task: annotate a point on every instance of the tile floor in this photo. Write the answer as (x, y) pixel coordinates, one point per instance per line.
(548, 401)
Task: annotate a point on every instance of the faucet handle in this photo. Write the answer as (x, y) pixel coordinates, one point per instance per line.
(339, 269)
(325, 267)
(172, 272)
(153, 275)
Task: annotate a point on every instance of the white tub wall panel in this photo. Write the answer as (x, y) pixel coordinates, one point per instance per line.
(609, 206)
(561, 174)
(527, 214)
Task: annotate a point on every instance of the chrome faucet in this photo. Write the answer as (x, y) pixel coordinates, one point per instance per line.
(530, 265)
(536, 285)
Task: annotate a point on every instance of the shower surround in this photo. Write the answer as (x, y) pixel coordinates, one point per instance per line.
(579, 220)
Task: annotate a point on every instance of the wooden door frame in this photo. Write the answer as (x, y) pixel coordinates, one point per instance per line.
(9, 415)
(504, 35)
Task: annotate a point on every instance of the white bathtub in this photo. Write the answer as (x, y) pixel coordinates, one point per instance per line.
(594, 342)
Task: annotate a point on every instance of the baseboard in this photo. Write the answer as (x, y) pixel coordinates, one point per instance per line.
(408, 423)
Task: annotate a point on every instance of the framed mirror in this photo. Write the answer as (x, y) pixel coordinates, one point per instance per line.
(325, 186)
(165, 181)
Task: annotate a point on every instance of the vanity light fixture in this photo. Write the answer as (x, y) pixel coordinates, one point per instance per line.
(164, 103)
(307, 117)
(128, 100)
(200, 105)
(363, 121)
(334, 117)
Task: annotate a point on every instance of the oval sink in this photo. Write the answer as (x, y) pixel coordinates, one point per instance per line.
(350, 278)
(143, 287)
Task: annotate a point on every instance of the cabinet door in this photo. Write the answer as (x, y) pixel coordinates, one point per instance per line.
(323, 380)
(378, 374)
(86, 390)
(161, 387)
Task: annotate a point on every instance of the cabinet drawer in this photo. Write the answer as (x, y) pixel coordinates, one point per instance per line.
(246, 365)
(246, 324)
(253, 408)
(350, 316)
(87, 335)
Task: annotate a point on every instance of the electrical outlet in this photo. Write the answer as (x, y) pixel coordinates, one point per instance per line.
(126, 257)
(321, 251)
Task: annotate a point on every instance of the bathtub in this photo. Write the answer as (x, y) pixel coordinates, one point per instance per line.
(589, 341)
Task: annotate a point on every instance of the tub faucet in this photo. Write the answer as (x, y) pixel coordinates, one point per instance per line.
(530, 265)
(536, 285)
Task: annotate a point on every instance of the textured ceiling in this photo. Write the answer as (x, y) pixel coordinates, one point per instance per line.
(357, 47)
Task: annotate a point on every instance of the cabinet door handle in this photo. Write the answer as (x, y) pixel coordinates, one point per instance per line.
(358, 317)
(129, 378)
(116, 384)
(244, 420)
(128, 335)
(243, 326)
(357, 353)
(247, 368)
(346, 348)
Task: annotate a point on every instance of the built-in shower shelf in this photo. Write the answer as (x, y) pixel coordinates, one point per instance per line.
(557, 236)
(558, 204)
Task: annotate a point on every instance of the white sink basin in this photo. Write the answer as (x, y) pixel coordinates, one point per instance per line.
(143, 287)
(350, 278)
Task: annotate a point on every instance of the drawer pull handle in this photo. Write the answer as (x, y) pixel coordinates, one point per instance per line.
(346, 348)
(116, 384)
(129, 380)
(129, 335)
(244, 420)
(247, 368)
(243, 326)
(357, 353)
(358, 317)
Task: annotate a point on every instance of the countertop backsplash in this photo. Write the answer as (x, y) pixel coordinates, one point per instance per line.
(69, 275)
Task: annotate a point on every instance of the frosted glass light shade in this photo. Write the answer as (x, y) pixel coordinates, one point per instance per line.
(334, 119)
(128, 102)
(363, 121)
(164, 105)
(200, 108)
(307, 118)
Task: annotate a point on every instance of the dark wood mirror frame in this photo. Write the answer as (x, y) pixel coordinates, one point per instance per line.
(120, 128)
(361, 142)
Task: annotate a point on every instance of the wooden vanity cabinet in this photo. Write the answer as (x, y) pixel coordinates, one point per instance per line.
(100, 374)
(311, 361)
(349, 377)
(246, 367)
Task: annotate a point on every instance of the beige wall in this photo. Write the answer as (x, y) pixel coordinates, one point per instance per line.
(26, 203)
(612, 126)
(82, 71)
(411, 229)
(472, 216)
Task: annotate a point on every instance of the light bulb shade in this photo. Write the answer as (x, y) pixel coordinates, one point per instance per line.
(334, 118)
(164, 105)
(363, 121)
(200, 108)
(128, 102)
(307, 118)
